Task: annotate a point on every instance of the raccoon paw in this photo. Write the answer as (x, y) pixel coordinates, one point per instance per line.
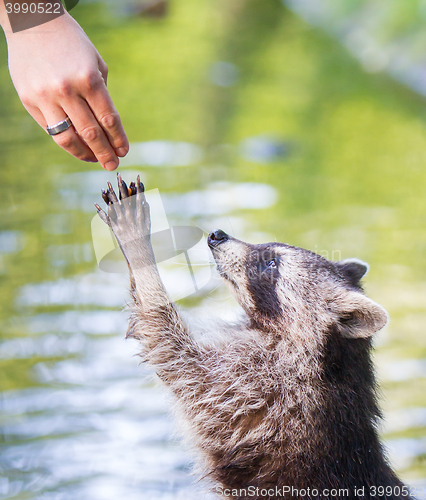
(128, 215)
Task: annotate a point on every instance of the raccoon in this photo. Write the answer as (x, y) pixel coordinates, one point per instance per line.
(282, 403)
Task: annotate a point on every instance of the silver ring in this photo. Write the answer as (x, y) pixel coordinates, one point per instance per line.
(59, 127)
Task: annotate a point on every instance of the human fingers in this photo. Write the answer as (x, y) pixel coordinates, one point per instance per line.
(90, 131)
(100, 102)
(68, 139)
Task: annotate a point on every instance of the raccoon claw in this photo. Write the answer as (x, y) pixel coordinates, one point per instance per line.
(123, 190)
(104, 195)
(140, 188)
(112, 197)
(101, 213)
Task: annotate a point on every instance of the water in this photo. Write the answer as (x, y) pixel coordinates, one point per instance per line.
(243, 118)
(383, 36)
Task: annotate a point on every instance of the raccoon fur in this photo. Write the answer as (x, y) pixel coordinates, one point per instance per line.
(284, 403)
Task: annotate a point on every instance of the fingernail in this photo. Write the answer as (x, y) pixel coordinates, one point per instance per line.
(111, 165)
(122, 151)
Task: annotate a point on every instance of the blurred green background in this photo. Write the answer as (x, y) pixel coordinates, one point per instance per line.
(302, 122)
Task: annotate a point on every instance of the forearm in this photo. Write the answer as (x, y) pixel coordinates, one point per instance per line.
(156, 322)
(166, 343)
(155, 319)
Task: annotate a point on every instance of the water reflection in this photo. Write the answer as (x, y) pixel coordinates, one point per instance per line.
(220, 198)
(163, 154)
(92, 289)
(11, 241)
(264, 149)
(223, 74)
(360, 25)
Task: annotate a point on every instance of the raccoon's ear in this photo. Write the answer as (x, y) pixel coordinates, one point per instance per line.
(353, 269)
(359, 316)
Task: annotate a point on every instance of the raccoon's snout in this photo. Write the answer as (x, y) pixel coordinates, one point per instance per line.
(216, 237)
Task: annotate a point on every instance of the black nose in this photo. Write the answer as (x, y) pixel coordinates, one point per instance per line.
(217, 236)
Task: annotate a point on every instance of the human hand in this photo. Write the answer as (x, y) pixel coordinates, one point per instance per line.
(58, 72)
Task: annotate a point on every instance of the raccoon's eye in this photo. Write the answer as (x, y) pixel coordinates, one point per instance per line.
(271, 263)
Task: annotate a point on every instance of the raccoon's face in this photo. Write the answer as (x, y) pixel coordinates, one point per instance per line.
(280, 286)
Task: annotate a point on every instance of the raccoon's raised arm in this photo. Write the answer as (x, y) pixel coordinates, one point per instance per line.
(154, 319)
